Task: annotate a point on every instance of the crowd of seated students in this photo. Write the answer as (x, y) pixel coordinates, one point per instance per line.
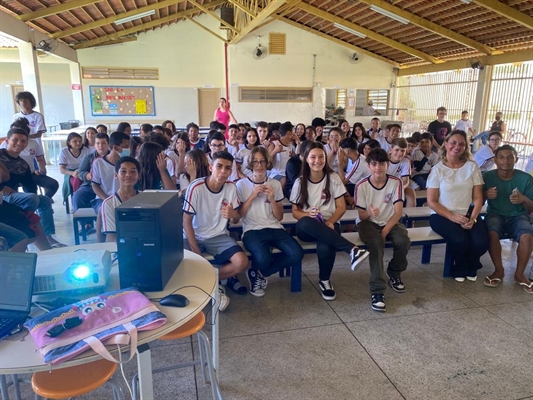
(243, 172)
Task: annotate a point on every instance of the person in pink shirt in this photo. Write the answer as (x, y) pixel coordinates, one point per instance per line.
(223, 113)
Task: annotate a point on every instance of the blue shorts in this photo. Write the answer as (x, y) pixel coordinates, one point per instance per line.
(515, 226)
(222, 247)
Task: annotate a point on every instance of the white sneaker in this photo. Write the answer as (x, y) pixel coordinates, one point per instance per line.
(223, 300)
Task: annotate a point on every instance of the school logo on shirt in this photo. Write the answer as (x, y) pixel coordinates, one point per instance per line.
(323, 196)
(32, 152)
(388, 198)
(225, 203)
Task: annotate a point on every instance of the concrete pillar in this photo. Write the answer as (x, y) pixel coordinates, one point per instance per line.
(30, 72)
(482, 99)
(77, 92)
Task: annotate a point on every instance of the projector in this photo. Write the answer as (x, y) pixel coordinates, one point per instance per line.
(80, 270)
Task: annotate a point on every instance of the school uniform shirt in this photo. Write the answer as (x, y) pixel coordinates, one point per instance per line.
(455, 185)
(400, 169)
(231, 149)
(259, 215)
(32, 150)
(367, 194)
(242, 157)
(379, 134)
(69, 160)
(36, 121)
(103, 174)
(418, 156)
(205, 205)
(384, 144)
(357, 170)
(335, 162)
(234, 175)
(464, 125)
(108, 213)
(280, 159)
(172, 162)
(317, 194)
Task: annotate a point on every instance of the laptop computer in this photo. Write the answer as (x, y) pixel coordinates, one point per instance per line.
(17, 272)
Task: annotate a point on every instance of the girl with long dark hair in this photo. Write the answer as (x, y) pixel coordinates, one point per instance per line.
(154, 174)
(317, 199)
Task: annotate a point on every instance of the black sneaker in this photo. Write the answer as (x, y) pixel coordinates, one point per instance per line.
(255, 283)
(235, 285)
(357, 256)
(262, 280)
(396, 284)
(378, 302)
(327, 290)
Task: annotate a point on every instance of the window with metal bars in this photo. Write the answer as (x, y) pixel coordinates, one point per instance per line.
(275, 95)
(340, 99)
(379, 99)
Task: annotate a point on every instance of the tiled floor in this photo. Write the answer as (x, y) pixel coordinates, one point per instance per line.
(439, 340)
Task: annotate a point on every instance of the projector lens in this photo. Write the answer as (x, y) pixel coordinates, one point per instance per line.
(81, 272)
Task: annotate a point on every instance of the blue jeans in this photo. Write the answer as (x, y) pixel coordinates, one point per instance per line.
(466, 245)
(259, 243)
(515, 226)
(420, 180)
(82, 197)
(484, 136)
(42, 205)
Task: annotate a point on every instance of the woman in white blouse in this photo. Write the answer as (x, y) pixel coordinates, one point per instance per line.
(452, 186)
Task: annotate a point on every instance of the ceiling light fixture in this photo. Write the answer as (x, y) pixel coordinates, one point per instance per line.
(467, 1)
(349, 30)
(134, 17)
(389, 14)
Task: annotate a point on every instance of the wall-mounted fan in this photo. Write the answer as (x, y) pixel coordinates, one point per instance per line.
(355, 58)
(260, 51)
(47, 46)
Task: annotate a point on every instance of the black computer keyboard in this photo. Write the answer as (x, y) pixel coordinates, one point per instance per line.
(5, 322)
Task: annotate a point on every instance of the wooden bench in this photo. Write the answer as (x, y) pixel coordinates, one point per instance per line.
(82, 216)
(424, 237)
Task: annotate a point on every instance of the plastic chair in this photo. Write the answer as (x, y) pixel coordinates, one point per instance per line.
(194, 326)
(76, 381)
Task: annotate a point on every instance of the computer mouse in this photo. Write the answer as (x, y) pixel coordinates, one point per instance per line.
(174, 300)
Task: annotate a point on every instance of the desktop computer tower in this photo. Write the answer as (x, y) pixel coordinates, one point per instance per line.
(149, 240)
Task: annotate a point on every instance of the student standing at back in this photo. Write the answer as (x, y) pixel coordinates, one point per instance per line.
(439, 128)
(379, 200)
(27, 103)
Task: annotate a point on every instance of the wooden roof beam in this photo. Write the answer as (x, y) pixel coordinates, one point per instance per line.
(335, 40)
(206, 29)
(110, 20)
(516, 56)
(142, 27)
(242, 8)
(266, 12)
(212, 14)
(507, 12)
(370, 34)
(433, 27)
(45, 12)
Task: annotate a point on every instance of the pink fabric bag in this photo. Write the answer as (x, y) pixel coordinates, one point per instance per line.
(112, 318)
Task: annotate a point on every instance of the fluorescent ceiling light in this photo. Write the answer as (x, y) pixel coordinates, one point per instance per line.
(134, 17)
(346, 29)
(389, 14)
(467, 1)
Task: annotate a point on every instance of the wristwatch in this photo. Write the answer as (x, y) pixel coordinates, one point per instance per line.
(475, 220)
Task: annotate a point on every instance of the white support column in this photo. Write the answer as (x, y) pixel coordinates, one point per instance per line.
(30, 72)
(482, 99)
(77, 92)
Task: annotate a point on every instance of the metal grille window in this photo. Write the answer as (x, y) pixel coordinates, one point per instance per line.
(512, 93)
(380, 100)
(419, 96)
(275, 95)
(340, 100)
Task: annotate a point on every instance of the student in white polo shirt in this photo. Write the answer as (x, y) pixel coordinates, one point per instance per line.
(127, 170)
(208, 205)
(261, 213)
(317, 199)
(379, 200)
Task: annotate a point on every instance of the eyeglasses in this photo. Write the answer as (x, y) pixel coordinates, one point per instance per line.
(255, 163)
(495, 140)
(216, 146)
(68, 324)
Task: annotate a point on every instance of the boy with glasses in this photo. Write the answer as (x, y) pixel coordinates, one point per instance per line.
(484, 157)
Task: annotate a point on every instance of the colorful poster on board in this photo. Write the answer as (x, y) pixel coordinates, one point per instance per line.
(122, 100)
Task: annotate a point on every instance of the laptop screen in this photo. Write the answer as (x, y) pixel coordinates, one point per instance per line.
(17, 271)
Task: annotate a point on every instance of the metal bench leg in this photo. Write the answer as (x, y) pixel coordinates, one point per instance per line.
(76, 232)
(426, 254)
(296, 278)
(448, 263)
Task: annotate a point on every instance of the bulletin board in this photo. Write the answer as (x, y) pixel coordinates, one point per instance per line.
(122, 101)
